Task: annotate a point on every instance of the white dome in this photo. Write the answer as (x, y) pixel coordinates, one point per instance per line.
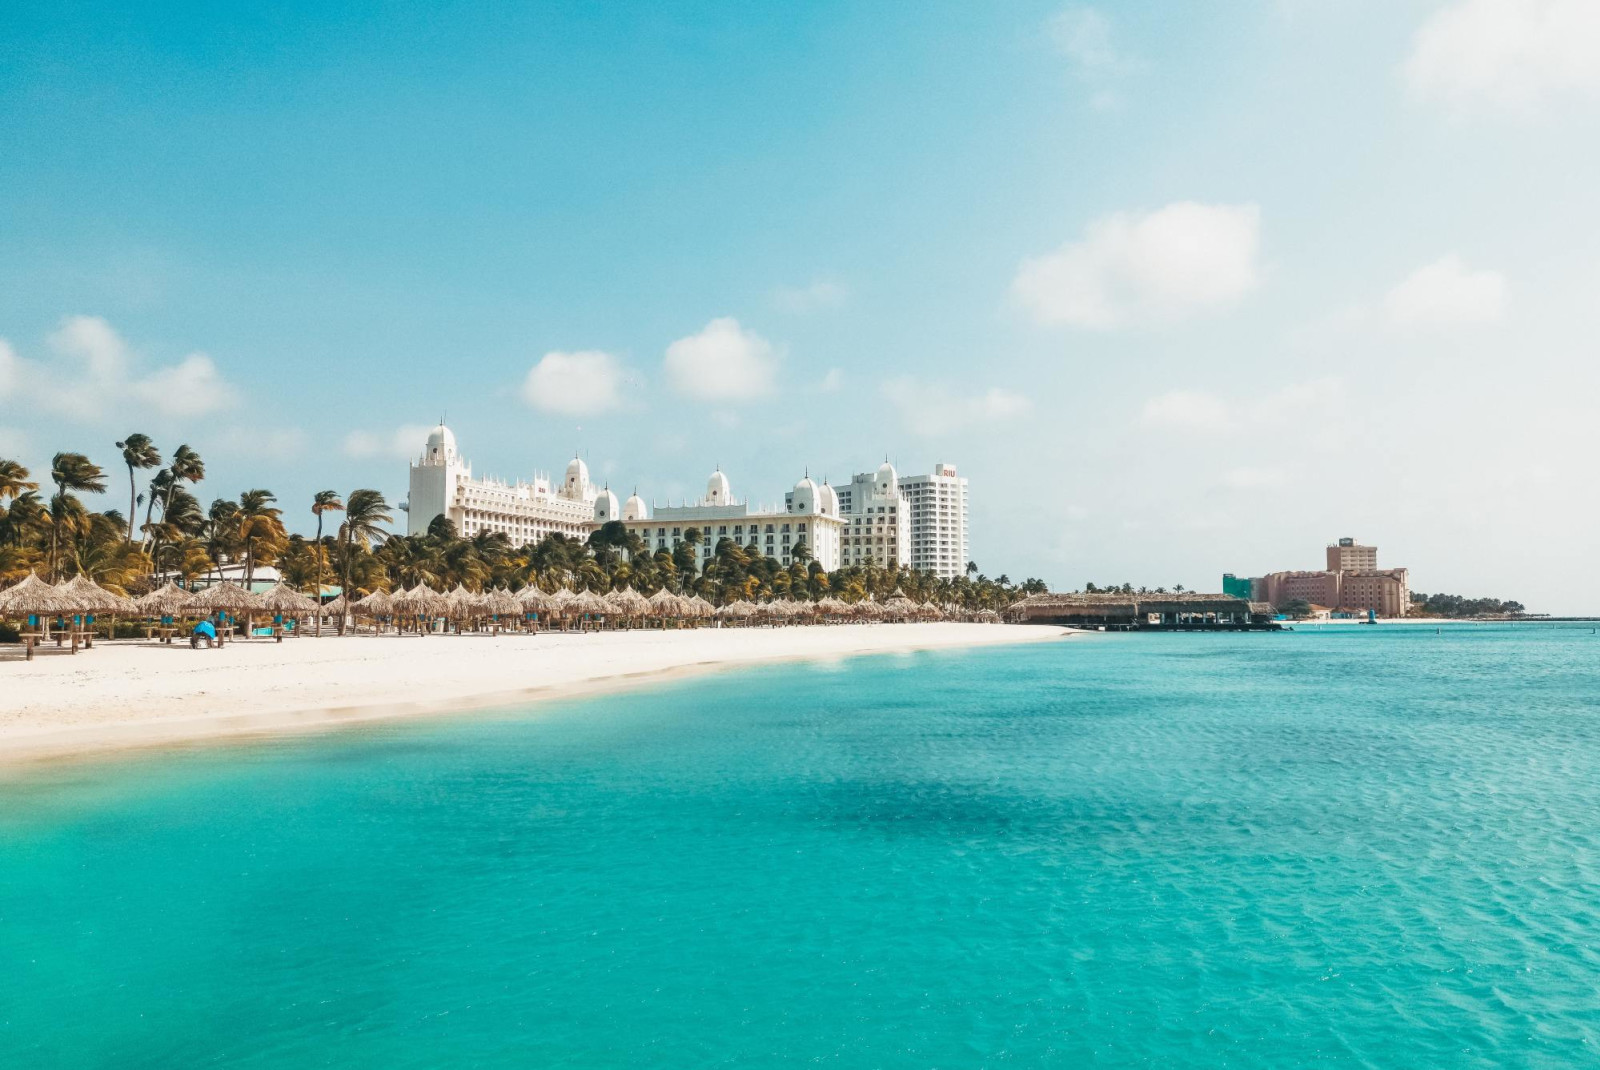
(888, 479)
(635, 509)
(828, 500)
(804, 498)
(441, 444)
(577, 471)
(718, 490)
(606, 508)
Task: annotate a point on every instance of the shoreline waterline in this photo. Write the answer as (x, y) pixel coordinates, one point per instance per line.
(95, 704)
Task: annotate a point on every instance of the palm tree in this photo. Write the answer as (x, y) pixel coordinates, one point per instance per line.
(70, 472)
(185, 467)
(137, 452)
(324, 501)
(364, 512)
(259, 519)
(14, 479)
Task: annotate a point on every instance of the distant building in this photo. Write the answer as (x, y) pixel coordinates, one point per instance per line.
(1347, 555)
(938, 523)
(1237, 586)
(810, 515)
(917, 521)
(525, 511)
(878, 518)
(1352, 582)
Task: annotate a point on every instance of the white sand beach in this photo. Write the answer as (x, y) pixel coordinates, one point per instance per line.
(132, 694)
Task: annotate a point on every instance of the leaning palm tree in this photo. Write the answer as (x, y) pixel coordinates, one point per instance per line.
(70, 472)
(137, 452)
(14, 479)
(364, 512)
(258, 521)
(324, 501)
(185, 467)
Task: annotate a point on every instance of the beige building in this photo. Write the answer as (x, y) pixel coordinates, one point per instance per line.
(1347, 555)
(1352, 583)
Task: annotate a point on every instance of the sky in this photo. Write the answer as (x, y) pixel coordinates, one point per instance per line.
(1182, 289)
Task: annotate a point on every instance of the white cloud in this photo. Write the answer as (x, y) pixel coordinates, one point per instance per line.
(935, 408)
(578, 384)
(91, 372)
(1186, 410)
(1446, 293)
(1198, 410)
(1506, 53)
(192, 387)
(832, 381)
(723, 362)
(405, 441)
(1163, 265)
(817, 295)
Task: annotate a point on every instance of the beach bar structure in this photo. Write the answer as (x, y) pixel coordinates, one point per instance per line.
(1147, 612)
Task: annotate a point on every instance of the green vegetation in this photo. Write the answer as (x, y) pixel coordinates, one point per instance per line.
(178, 538)
(1454, 605)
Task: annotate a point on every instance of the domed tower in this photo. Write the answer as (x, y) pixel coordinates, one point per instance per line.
(434, 478)
(634, 508)
(576, 487)
(606, 508)
(804, 498)
(887, 482)
(718, 490)
(827, 499)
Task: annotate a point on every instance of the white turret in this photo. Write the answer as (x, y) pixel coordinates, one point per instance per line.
(804, 498)
(887, 482)
(634, 508)
(606, 508)
(576, 485)
(718, 490)
(440, 448)
(827, 500)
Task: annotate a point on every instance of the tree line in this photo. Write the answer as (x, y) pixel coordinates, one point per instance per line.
(45, 526)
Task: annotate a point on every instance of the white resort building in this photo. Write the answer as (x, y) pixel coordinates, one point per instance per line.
(881, 517)
(526, 511)
(810, 515)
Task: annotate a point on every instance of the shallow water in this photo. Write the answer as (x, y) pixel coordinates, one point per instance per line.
(1350, 847)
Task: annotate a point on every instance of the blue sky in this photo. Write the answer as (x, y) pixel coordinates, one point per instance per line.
(1182, 288)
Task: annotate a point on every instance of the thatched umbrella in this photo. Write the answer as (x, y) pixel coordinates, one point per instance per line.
(899, 607)
(699, 607)
(32, 596)
(502, 603)
(279, 599)
(225, 597)
(377, 604)
(87, 596)
(664, 606)
(338, 607)
(533, 600)
(419, 602)
(591, 603)
(165, 601)
(867, 610)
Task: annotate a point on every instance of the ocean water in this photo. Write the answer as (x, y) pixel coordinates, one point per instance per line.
(1354, 847)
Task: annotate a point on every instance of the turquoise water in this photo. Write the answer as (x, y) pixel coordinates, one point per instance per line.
(1361, 847)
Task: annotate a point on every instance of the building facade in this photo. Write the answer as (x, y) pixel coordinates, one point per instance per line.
(938, 522)
(526, 511)
(1352, 583)
(442, 484)
(809, 516)
(917, 521)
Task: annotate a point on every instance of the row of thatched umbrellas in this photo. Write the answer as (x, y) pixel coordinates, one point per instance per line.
(81, 596)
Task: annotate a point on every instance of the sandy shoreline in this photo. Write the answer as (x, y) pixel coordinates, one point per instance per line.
(134, 694)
